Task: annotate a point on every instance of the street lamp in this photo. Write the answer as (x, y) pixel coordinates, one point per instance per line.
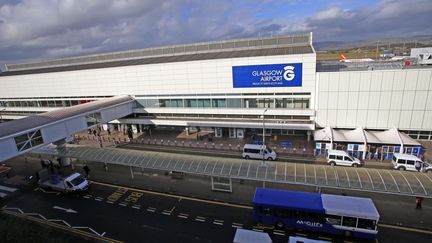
(263, 139)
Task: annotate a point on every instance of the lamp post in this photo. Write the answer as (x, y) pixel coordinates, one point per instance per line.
(263, 140)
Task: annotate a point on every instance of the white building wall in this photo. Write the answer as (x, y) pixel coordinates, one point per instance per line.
(377, 99)
(193, 77)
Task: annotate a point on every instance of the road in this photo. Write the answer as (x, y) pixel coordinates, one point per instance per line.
(133, 215)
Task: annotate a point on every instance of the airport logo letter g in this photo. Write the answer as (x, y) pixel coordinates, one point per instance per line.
(289, 73)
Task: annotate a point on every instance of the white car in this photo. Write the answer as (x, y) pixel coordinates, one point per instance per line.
(340, 157)
(408, 162)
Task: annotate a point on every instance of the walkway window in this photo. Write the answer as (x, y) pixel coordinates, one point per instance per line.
(28, 140)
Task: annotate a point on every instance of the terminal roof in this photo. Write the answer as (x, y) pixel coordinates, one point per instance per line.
(261, 46)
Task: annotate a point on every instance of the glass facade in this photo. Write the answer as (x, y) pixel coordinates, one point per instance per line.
(259, 103)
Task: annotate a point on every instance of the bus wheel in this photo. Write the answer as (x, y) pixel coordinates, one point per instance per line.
(355, 165)
(347, 233)
(280, 225)
(402, 168)
(332, 163)
(270, 158)
(247, 157)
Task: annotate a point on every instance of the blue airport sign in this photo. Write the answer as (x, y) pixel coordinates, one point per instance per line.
(270, 75)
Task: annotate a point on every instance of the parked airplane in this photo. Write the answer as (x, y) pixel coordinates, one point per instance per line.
(344, 59)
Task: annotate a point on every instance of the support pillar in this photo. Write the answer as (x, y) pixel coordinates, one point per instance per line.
(61, 144)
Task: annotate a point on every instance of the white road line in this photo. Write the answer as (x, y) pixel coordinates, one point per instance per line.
(218, 222)
(278, 233)
(122, 204)
(201, 219)
(238, 224)
(110, 202)
(136, 207)
(183, 215)
(98, 199)
(166, 212)
(150, 209)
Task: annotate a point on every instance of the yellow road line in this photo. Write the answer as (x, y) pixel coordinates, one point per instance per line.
(173, 196)
(405, 228)
(54, 225)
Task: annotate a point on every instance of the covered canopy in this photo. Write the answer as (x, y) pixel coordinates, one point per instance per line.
(360, 135)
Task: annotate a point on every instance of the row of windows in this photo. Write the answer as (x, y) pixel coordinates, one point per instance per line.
(43, 103)
(318, 217)
(227, 94)
(172, 115)
(420, 135)
(288, 103)
(340, 157)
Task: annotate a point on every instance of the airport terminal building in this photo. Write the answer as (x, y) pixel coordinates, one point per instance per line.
(227, 86)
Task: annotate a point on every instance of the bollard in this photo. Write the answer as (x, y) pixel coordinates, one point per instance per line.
(229, 145)
(183, 143)
(175, 142)
(148, 141)
(168, 142)
(205, 145)
(190, 143)
(221, 146)
(197, 144)
(162, 141)
(213, 145)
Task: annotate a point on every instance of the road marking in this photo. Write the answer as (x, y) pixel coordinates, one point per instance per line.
(122, 204)
(237, 225)
(175, 196)
(276, 232)
(165, 212)
(201, 219)
(87, 196)
(301, 234)
(406, 229)
(183, 215)
(98, 199)
(150, 209)
(218, 222)
(67, 210)
(136, 207)
(110, 202)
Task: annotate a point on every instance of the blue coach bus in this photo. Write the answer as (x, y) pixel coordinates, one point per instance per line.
(343, 215)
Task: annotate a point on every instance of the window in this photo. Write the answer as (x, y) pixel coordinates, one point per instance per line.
(332, 156)
(204, 103)
(28, 140)
(333, 219)
(410, 162)
(349, 222)
(401, 161)
(366, 224)
(217, 103)
(347, 158)
(339, 157)
(234, 103)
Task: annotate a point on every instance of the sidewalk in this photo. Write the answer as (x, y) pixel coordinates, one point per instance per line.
(181, 140)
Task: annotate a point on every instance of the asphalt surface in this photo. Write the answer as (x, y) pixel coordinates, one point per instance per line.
(133, 215)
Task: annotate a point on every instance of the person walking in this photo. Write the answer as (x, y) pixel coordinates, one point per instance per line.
(87, 171)
(419, 201)
(418, 166)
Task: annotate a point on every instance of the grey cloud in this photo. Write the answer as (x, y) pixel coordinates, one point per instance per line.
(390, 18)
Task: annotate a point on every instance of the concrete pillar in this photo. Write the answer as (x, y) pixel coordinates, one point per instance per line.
(308, 134)
(64, 161)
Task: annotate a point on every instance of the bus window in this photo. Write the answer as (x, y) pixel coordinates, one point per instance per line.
(266, 211)
(333, 219)
(366, 224)
(332, 156)
(283, 213)
(349, 221)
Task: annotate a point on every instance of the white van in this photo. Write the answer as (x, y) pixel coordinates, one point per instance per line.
(340, 157)
(408, 162)
(255, 151)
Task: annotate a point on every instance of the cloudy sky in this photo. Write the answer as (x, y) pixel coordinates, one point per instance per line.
(43, 29)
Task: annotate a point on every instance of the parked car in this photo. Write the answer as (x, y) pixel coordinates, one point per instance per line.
(340, 157)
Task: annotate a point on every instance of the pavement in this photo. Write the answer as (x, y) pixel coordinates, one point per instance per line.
(301, 150)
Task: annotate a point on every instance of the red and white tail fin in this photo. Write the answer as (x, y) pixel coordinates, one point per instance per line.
(342, 57)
